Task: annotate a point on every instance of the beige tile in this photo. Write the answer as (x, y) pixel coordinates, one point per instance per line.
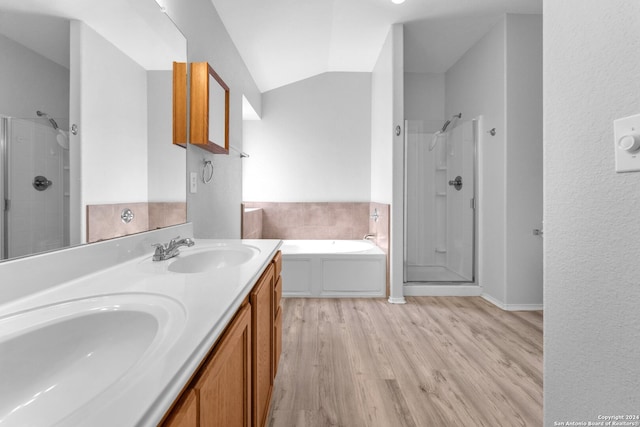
(165, 214)
(252, 224)
(104, 222)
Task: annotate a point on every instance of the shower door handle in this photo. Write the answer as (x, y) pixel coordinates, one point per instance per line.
(457, 183)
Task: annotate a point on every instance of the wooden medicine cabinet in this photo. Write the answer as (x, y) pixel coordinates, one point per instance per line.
(209, 114)
(180, 104)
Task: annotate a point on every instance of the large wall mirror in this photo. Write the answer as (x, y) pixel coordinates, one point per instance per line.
(86, 122)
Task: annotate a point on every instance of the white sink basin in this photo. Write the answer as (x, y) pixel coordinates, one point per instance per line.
(212, 258)
(76, 350)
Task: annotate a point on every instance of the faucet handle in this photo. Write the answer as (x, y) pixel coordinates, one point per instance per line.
(158, 255)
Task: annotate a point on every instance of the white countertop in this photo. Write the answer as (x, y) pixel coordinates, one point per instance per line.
(202, 304)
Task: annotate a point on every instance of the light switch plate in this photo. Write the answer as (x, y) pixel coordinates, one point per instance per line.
(626, 136)
(193, 182)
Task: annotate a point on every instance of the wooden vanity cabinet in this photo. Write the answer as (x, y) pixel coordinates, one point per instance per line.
(233, 386)
(185, 412)
(267, 337)
(277, 312)
(261, 299)
(220, 393)
(224, 385)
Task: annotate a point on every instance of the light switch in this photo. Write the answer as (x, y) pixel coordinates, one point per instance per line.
(193, 182)
(626, 136)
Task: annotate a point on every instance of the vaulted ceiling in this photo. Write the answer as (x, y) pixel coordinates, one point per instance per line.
(283, 41)
(135, 27)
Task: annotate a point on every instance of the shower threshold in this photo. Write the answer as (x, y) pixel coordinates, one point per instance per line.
(436, 274)
(459, 289)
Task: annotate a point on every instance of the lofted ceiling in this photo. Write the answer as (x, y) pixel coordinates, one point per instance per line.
(136, 27)
(283, 41)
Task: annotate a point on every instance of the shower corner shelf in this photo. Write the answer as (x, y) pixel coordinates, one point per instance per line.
(441, 168)
(441, 194)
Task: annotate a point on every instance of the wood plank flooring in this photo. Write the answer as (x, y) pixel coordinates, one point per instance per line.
(436, 361)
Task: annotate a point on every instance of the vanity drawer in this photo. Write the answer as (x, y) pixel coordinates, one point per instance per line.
(277, 261)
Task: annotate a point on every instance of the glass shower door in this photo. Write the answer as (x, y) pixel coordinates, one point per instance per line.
(35, 191)
(439, 203)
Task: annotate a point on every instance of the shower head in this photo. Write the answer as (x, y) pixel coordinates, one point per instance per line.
(448, 122)
(441, 132)
(62, 137)
(46, 116)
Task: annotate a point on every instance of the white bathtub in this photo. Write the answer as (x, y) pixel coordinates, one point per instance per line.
(333, 268)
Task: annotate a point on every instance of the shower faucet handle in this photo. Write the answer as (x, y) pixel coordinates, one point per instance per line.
(456, 183)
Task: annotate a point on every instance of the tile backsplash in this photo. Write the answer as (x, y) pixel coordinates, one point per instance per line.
(251, 223)
(104, 222)
(313, 220)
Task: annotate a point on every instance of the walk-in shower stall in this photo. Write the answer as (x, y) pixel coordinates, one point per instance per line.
(440, 200)
(34, 185)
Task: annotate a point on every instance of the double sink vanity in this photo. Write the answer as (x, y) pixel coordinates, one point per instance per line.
(103, 335)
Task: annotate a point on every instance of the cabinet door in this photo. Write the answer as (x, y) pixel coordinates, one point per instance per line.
(277, 324)
(277, 340)
(185, 414)
(225, 383)
(262, 329)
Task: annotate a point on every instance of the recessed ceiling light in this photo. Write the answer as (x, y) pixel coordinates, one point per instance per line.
(397, 1)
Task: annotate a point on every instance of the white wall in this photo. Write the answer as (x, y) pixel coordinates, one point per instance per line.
(500, 79)
(382, 125)
(475, 86)
(31, 82)
(592, 337)
(215, 208)
(112, 131)
(424, 96)
(167, 162)
(524, 160)
(313, 143)
(387, 148)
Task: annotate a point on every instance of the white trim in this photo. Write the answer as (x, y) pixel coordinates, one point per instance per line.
(397, 300)
(513, 307)
(422, 290)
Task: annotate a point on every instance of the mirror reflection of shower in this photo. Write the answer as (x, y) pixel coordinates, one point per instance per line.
(438, 134)
(34, 157)
(62, 136)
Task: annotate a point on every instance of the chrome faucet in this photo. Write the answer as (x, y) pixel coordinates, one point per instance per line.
(169, 250)
(369, 236)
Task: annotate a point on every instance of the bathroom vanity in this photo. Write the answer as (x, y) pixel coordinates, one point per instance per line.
(102, 335)
(233, 385)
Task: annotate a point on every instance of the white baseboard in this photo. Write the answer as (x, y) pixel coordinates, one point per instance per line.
(396, 300)
(424, 290)
(513, 307)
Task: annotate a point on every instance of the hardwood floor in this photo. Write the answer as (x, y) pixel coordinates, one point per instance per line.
(436, 361)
